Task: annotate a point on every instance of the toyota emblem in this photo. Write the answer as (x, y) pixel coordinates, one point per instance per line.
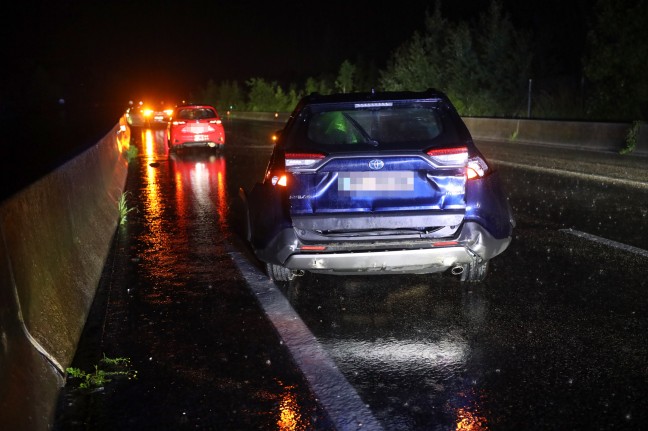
(376, 164)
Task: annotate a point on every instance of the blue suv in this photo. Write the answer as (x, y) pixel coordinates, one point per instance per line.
(375, 183)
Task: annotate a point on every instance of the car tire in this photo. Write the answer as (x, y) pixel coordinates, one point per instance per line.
(279, 273)
(475, 272)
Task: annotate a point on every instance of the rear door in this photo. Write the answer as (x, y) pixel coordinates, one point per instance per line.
(376, 158)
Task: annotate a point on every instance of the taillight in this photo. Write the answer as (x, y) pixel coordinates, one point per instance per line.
(449, 156)
(281, 180)
(178, 123)
(476, 168)
(302, 160)
(215, 121)
(294, 161)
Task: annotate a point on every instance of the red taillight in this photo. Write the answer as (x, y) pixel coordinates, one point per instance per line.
(449, 156)
(476, 168)
(302, 160)
(215, 121)
(279, 180)
(178, 123)
(471, 173)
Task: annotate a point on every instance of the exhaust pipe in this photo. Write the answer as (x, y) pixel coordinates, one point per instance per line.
(457, 270)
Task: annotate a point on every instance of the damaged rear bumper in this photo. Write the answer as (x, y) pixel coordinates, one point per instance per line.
(473, 244)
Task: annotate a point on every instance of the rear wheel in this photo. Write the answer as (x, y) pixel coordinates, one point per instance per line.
(475, 272)
(279, 273)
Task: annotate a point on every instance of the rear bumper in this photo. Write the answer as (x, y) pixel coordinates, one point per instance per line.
(201, 144)
(395, 262)
(474, 243)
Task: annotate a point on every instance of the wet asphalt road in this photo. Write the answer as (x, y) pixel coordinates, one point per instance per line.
(553, 339)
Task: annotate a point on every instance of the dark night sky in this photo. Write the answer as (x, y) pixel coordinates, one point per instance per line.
(99, 54)
(120, 50)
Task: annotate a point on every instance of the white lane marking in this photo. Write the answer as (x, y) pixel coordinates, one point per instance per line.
(607, 242)
(591, 177)
(336, 395)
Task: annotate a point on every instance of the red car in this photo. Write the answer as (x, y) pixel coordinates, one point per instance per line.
(195, 126)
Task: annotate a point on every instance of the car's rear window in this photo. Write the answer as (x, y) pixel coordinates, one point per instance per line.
(391, 125)
(373, 126)
(195, 114)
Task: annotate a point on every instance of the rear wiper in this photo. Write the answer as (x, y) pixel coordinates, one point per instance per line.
(369, 140)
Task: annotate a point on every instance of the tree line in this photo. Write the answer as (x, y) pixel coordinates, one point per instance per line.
(486, 68)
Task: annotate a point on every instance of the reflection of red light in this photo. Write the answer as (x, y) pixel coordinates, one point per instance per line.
(467, 420)
(203, 177)
(289, 417)
(469, 417)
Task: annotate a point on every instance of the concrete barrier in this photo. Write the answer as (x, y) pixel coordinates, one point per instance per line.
(568, 134)
(278, 117)
(581, 135)
(54, 239)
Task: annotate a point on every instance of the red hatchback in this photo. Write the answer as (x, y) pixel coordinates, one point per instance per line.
(195, 126)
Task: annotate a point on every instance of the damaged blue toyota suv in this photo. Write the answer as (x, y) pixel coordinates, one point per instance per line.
(376, 183)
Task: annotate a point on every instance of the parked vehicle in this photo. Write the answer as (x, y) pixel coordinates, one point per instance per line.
(375, 183)
(158, 116)
(192, 126)
(135, 117)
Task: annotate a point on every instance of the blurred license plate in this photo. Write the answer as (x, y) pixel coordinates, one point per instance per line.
(201, 137)
(376, 181)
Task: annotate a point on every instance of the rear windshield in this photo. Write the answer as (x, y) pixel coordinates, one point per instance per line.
(388, 125)
(195, 114)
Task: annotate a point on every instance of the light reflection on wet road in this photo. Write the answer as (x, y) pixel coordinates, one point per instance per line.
(553, 339)
(173, 302)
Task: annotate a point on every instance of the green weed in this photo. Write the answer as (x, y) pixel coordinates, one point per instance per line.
(103, 373)
(124, 209)
(631, 138)
(130, 153)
